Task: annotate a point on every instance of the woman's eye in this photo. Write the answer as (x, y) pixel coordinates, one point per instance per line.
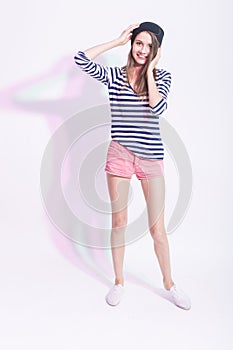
(139, 43)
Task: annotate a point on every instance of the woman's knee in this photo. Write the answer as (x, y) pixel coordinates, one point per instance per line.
(119, 220)
(158, 233)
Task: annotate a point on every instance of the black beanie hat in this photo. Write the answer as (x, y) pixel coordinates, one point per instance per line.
(151, 27)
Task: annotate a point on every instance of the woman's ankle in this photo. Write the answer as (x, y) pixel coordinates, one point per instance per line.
(168, 284)
(119, 281)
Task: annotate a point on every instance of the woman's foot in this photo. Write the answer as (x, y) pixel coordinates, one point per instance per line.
(115, 294)
(179, 297)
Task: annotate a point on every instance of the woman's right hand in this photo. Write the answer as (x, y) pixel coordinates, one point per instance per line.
(127, 33)
(95, 51)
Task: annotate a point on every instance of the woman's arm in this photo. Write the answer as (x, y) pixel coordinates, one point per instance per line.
(85, 59)
(95, 51)
(153, 92)
(157, 95)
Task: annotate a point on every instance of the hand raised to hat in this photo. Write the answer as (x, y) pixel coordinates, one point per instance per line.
(126, 34)
(155, 60)
(96, 50)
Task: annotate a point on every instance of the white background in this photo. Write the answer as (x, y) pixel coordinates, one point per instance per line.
(52, 290)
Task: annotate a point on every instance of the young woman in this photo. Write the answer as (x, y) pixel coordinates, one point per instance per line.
(138, 97)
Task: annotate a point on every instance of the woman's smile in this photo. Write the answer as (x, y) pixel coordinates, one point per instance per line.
(141, 56)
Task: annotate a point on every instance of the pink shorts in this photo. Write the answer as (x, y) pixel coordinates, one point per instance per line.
(122, 162)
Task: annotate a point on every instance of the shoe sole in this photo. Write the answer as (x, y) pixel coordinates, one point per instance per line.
(112, 304)
(182, 307)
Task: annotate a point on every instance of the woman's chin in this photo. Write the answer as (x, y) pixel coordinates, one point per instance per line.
(139, 63)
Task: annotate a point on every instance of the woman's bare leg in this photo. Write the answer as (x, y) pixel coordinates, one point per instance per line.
(154, 192)
(118, 188)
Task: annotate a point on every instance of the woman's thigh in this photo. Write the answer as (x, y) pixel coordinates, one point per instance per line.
(118, 188)
(154, 193)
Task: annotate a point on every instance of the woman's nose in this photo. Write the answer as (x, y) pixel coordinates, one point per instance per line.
(143, 49)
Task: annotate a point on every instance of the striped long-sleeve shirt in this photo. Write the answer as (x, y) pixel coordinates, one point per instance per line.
(134, 123)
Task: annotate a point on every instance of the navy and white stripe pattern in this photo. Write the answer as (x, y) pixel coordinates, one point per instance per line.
(134, 123)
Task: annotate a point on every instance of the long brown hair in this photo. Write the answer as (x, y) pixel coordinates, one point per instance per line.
(141, 87)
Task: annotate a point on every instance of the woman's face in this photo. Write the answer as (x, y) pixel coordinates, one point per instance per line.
(141, 48)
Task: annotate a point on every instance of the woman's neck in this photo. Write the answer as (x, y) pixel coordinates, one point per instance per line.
(135, 72)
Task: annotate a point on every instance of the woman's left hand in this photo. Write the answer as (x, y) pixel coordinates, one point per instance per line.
(155, 60)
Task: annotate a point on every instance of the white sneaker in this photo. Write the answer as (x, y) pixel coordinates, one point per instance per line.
(115, 294)
(179, 298)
